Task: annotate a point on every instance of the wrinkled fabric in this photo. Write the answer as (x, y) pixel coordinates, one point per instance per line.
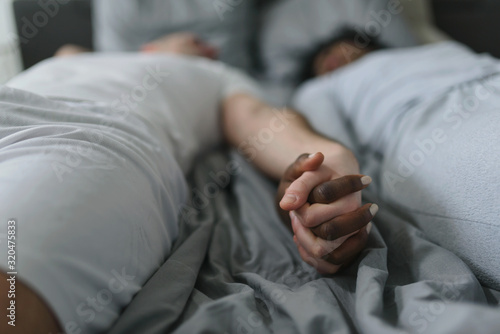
(423, 123)
(235, 269)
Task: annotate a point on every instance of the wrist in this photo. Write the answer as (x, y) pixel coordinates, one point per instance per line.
(338, 157)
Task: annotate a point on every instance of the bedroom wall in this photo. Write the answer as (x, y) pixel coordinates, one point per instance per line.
(10, 61)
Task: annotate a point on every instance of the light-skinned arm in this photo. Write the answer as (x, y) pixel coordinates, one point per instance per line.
(273, 140)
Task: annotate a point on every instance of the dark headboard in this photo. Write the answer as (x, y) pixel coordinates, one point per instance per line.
(472, 22)
(475, 23)
(42, 29)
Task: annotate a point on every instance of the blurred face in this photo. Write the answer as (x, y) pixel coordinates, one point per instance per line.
(336, 56)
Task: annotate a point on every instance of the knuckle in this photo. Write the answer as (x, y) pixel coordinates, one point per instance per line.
(329, 231)
(317, 251)
(308, 220)
(300, 185)
(352, 183)
(323, 193)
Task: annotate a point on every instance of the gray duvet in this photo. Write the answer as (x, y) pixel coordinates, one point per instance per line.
(235, 269)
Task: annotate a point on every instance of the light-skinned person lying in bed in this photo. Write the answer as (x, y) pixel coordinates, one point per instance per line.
(100, 146)
(137, 123)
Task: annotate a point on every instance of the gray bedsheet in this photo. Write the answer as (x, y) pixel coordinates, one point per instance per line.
(235, 269)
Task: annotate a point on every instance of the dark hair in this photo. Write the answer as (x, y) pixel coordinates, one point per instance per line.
(346, 34)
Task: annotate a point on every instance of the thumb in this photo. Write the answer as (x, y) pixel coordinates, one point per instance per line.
(297, 194)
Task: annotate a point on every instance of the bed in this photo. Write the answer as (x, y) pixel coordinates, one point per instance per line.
(234, 267)
(235, 270)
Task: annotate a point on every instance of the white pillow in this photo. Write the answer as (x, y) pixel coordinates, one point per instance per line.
(293, 28)
(124, 25)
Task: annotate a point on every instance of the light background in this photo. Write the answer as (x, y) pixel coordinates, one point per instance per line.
(10, 59)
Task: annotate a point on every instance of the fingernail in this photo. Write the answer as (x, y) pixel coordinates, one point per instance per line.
(373, 209)
(289, 199)
(369, 227)
(366, 180)
(312, 155)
